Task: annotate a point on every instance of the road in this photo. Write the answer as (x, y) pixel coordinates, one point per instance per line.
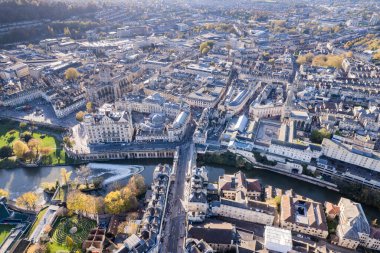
(175, 229)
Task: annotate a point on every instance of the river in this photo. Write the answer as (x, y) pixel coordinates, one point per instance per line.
(20, 180)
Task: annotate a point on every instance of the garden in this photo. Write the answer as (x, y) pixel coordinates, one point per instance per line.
(5, 230)
(29, 144)
(69, 233)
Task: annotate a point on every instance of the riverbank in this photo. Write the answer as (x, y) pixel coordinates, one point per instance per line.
(228, 159)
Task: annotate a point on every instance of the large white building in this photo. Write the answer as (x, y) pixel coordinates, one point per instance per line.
(248, 210)
(278, 239)
(353, 229)
(294, 151)
(196, 204)
(108, 125)
(354, 155)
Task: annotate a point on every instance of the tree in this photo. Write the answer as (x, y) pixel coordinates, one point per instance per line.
(89, 107)
(130, 200)
(26, 136)
(65, 175)
(81, 202)
(23, 125)
(317, 136)
(69, 143)
(69, 242)
(83, 173)
(27, 200)
(45, 150)
(71, 74)
(307, 58)
(66, 31)
(4, 193)
(34, 145)
(114, 202)
(20, 148)
(5, 152)
(137, 184)
(206, 46)
(79, 116)
(37, 248)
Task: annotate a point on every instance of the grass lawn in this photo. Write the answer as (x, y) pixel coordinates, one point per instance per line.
(4, 231)
(10, 132)
(38, 219)
(62, 229)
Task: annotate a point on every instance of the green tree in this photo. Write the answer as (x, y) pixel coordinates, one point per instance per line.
(317, 136)
(5, 152)
(23, 125)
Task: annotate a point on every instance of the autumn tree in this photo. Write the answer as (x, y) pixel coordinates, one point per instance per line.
(37, 248)
(66, 31)
(89, 107)
(34, 145)
(83, 172)
(79, 116)
(68, 142)
(65, 176)
(206, 46)
(4, 193)
(27, 200)
(114, 202)
(137, 184)
(130, 200)
(20, 148)
(71, 74)
(45, 150)
(306, 58)
(83, 203)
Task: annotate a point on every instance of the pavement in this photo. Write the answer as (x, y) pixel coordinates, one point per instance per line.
(46, 114)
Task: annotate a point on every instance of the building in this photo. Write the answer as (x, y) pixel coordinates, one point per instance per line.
(194, 245)
(353, 228)
(269, 102)
(248, 210)
(108, 125)
(220, 236)
(19, 70)
(332, 211)
(95, 241)
(294, 151)
(237, 187)
(150, 229)
(196, 205)
(303, 215)
(355, 155)
(278, 239)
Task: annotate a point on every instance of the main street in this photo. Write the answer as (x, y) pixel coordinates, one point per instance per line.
(175, 228)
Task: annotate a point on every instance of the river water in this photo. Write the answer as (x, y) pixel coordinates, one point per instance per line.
(20, 180)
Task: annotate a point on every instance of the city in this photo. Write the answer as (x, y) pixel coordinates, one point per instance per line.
(177, 126)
